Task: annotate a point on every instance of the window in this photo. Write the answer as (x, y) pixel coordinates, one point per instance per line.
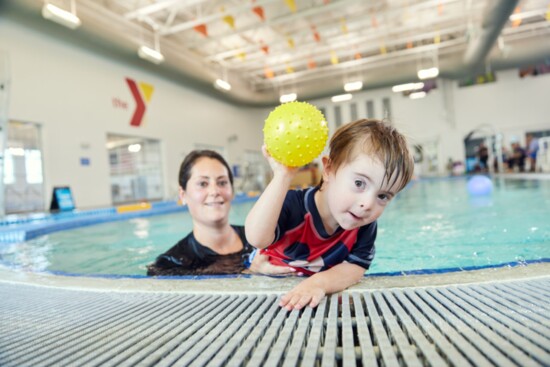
(370, 109)
(33, 166)
(23, 173)
(338, 116)
(353, 111)
(386, 103)
(135, 169)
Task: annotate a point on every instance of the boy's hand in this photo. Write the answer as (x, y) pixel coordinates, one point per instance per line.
(260, 264)
(277, 167)
(304, 294)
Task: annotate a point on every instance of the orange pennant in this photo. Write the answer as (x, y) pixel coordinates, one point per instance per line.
(259, 11)
(316, 35)
(311, 64)
(265, 49)
(517, 18)
(357, 56)
(201, 28)
(268, 73)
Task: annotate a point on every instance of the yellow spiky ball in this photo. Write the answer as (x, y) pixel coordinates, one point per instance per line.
(295, 133)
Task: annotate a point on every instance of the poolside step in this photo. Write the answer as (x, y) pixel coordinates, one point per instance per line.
(496, 324)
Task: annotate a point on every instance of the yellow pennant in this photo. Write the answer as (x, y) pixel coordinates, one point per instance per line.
(290, 42)
(289, 69)
(291, 5)
(230, 21)
(333, 58)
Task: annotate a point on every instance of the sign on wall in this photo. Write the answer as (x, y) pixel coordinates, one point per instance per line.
(142, 93)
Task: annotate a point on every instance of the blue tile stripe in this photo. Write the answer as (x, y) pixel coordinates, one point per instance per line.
(18, 229)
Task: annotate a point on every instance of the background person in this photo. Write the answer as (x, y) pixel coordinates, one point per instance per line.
(214, 246)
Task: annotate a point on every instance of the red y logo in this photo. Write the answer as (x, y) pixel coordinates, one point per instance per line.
(147, 91)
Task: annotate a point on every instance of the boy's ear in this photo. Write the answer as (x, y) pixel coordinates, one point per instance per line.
(181, 194)
(327, 167)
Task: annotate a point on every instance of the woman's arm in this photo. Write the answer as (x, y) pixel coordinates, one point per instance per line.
(261, 265)
(312, 290)
(262, 219)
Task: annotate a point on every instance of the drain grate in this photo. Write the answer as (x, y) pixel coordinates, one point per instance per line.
(503, 324)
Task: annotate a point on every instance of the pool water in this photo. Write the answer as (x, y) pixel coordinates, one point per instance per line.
(432, 224)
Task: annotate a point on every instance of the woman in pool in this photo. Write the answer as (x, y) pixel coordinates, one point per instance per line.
(214, 246)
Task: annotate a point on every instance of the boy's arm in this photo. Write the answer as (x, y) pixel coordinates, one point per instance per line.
(262, 219)
(312, 290)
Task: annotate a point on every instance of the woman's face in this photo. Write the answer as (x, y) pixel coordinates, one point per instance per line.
(208, 193)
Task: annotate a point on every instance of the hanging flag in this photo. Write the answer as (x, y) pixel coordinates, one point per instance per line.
(383, 49)
(409, 44)
(374, 22)
(357, 56)
(229, 20)
(265, 49)
(333, 58)
(344, 26)
(437, 38)
(201, 28)
(290, 42)
(316, 35)
(517, 17)
(548, 13)
(311, 64)
(259, 11)
(291, 5)
(241, 55)
(268, 72)
(439, 8)
(289, 69)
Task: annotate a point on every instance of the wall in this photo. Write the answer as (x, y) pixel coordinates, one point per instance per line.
(513, 106)
(69, 92)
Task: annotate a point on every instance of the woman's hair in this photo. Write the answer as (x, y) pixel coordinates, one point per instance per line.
(191, 159)
(374, 138)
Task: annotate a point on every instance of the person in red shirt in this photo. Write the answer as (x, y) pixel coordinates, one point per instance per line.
(328, 232)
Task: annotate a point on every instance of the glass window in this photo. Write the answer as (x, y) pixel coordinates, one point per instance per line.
(338, 116)
(135, 169)
(370, 109)
(386, 103)
(33, 166)
(353, 111)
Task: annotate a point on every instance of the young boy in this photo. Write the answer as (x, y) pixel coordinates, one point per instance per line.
(329, 231)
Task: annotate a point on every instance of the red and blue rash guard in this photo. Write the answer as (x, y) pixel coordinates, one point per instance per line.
(302, 242)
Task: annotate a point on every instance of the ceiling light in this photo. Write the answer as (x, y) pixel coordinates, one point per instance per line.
(291, 97)
(407, 87)
(149, 54)
(417, 95)
(428, 73)
(222, 84)
(60, 16)
(19, 152)
(341, 98)
(353, 86)
(134, 148)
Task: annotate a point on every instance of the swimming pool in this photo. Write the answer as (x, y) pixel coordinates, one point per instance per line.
(433, 224)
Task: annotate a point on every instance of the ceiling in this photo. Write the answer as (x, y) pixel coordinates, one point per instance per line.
(265, 48)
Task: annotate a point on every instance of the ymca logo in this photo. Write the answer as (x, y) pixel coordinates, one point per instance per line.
(142, 93)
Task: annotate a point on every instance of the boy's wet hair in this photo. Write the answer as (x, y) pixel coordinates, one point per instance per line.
(374, 138)
(191, 159)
